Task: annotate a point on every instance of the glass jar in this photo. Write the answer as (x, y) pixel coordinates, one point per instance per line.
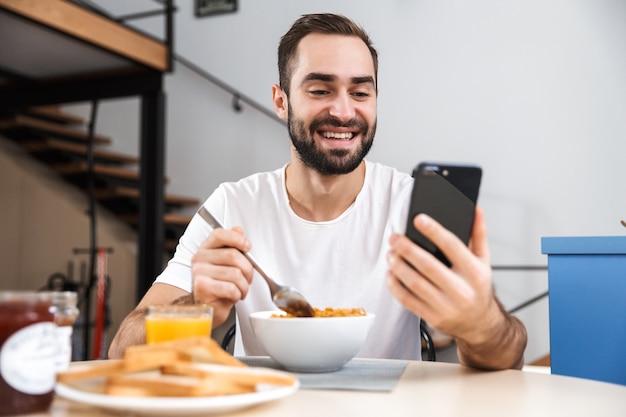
(65, 315)
(28, 348)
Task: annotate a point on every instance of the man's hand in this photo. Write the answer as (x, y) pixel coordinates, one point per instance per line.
(459, 300)
(221, 273)
(221, 277)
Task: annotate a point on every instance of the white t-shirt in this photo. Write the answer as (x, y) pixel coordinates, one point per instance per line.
(337, 263)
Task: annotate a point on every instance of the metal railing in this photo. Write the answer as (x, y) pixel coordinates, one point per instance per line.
(531, 300)
(238, 97)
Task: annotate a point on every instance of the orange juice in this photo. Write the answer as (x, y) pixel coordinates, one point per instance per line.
(165, 323)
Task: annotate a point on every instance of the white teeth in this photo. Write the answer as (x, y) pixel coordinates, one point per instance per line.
(333, 135)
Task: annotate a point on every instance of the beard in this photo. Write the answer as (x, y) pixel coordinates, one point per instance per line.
(333, 161)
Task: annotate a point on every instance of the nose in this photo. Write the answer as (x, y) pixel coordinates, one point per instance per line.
(342, 108)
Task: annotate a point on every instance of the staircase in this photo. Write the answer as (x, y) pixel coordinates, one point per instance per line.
(60, 140)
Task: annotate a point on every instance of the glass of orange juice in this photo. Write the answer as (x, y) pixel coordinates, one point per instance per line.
(170, 322)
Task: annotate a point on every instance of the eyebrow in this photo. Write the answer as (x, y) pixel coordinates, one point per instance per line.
(317, 76)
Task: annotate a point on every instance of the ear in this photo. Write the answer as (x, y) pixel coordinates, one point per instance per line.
(281, 103)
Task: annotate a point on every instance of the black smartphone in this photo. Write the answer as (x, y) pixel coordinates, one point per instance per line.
(447, 193)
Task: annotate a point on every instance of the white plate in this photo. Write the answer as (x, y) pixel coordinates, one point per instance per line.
(179, 406)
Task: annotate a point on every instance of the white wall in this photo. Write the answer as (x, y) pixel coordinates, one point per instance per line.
(533, 90)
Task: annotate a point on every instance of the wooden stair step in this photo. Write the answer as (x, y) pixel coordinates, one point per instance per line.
(133, 193)
(82, 168)
(170, 219)
(56, 146)
(177, 219)
(174, 225)
(54, 113)
(126, 199)
(26, 126)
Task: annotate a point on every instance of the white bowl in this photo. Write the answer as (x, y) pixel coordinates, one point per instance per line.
(311, 344)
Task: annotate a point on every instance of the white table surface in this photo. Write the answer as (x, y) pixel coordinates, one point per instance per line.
(437, 389)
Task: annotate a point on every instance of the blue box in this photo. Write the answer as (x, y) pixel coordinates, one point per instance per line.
(587, 285)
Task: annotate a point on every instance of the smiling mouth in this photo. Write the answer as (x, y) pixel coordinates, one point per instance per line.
(337, 135)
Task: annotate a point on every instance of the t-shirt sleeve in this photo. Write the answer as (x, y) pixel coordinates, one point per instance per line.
(178, 269)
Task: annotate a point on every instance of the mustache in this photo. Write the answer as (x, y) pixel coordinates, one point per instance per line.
(350, 124)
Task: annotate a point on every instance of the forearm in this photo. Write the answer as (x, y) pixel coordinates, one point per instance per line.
(502, 348)
(132, 331)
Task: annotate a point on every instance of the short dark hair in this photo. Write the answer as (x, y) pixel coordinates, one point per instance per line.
(326, 23)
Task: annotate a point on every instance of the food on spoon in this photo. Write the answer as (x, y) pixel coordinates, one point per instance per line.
(168, 369)
(329, 312)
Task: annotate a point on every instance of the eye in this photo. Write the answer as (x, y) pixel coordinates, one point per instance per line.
(318, 92)
(361, 95)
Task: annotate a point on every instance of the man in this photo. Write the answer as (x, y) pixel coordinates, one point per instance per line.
(327, 223)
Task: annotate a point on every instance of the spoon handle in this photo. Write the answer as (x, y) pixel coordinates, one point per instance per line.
(215, 224)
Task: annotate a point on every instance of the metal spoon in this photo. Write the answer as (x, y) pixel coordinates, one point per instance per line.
(286, 298)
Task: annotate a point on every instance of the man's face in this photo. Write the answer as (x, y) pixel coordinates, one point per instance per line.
(332, 103)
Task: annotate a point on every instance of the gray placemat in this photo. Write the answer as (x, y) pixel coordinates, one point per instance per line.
(358, 374)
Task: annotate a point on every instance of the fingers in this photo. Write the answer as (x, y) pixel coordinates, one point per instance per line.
(423, 261)
(221, 273)
(445, 240)
(478, 242)
(424, 285)
(414, 291)
(407, 298)
(451, 299)
(227, 238)
(471, 264)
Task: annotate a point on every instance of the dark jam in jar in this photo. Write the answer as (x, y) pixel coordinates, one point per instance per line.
(27, 352)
